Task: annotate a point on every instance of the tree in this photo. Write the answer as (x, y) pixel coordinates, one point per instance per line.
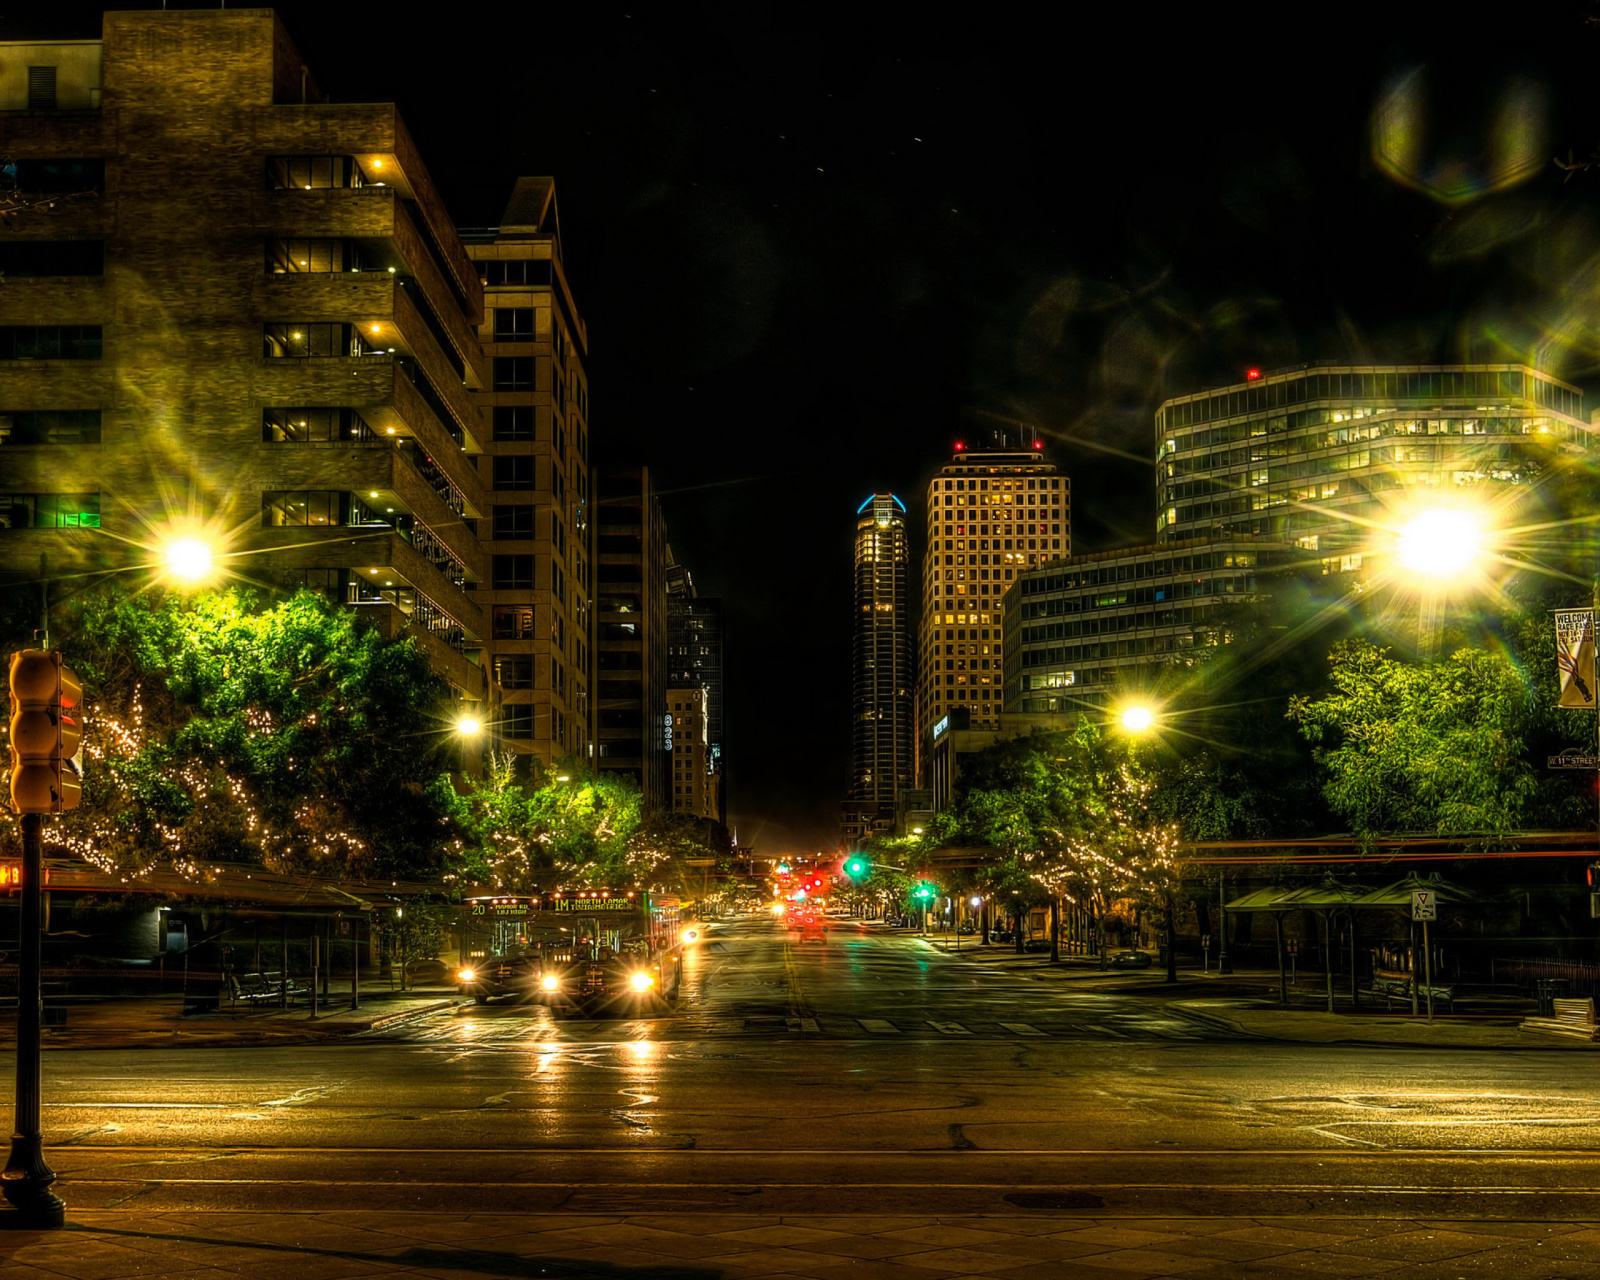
(221, 728)
(1441, 747)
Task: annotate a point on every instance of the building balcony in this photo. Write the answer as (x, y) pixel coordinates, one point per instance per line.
(385, 480)
(389, 315)
(460, 667)
(382, 558)
(376, 135)
(391, 399)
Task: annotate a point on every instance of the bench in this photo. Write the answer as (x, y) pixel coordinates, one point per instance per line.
(257, 988)
(1395, 985)
(1573, 1018)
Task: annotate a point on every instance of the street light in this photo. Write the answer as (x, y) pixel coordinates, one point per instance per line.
(469, 726)
(1137, 717)
(189, 560)
(1442, 543)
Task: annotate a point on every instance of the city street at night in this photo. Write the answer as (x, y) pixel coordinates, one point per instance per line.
(872, 1084)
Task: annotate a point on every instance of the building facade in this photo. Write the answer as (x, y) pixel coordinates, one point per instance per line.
(1321, 456)
(248, 318)
(694, 660)
(537, 533)
(631, 606)
(993, 512)
(883, 675)
(1073, 629)
(694, 781)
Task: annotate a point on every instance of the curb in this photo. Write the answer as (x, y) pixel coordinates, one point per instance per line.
(1213, 1020)
(405, 1015)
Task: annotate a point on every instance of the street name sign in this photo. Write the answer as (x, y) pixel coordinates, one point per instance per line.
(1424, 904)
(1570, 759)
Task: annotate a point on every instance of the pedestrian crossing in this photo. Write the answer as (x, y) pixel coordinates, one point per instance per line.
(509, 1025)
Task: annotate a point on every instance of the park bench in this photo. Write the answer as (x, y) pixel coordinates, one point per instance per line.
(1394, 985)
(1568, 1018)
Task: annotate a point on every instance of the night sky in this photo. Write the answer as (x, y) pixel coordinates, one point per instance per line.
(815, 245)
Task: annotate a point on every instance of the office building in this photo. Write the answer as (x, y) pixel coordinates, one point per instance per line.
(994, 511)
(631, 606)
(1323, 456)
(882, 671)
(694, 782)
(537, 534)
(248, 317)
(694, 660)
(1073, 629)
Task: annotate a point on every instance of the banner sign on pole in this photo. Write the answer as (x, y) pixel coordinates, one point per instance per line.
(1575, 656)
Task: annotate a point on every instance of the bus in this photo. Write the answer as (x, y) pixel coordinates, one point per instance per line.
(579, 950)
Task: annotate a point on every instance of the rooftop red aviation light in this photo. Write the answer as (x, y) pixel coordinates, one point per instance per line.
(1038, 444)
(1250, 375)
(959, 446)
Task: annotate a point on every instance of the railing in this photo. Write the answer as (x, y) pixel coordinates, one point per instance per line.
(431, 398)
(1582, 978)
(433, 549)
(418, 608)
(430, 471)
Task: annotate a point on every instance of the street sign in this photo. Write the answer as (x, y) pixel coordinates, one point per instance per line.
(1424, 905)
(1572, 759)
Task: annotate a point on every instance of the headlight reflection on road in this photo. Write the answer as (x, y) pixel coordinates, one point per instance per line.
(642, 1050)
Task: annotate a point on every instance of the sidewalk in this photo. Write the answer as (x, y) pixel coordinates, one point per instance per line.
(104, 1245)
(1246, 1003)
(159, 1022)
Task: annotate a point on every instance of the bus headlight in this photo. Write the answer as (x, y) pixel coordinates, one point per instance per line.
(467, 975)
(550, 982)
(642, 981)
(691, 935)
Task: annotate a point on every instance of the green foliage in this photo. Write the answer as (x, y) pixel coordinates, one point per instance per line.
(591, 829)
(1074, 816)
(1442, 748)
(220, 728)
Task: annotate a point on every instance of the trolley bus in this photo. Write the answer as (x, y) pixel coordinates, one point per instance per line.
(579, 950)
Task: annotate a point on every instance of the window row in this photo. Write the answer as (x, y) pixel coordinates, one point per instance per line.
(322, 256)
(49, 510)
(50, 342)
(295, 340)
(297, 507)
(49, 426)
(309, 425)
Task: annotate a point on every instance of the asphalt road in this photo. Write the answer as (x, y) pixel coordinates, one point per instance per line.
(869, 1073)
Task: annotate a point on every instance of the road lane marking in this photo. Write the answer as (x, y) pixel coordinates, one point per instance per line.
(879, 1026)
(803, 1024)
(1022, 1028)
(949, 1028)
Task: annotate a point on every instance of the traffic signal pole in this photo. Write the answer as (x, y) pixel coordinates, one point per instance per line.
(27, 1178)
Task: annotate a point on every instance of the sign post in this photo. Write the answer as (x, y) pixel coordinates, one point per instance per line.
(1425, 907)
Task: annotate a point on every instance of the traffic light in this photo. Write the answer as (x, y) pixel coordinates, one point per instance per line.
(856, 867)
(44, 735)
(924, 891)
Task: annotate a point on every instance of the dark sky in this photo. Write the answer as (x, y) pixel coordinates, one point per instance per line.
(816, 244)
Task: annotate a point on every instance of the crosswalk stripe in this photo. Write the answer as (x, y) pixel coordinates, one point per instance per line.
(949, 1028)
(879, 1026)
(1022, 1028)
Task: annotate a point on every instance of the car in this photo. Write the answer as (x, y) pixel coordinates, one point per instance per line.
(515, 971)
(1130, 960)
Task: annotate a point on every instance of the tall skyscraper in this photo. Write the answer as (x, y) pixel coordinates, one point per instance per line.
(539, 537)
(994, 510)
(631, 597)
(883, 678)
(694, 660)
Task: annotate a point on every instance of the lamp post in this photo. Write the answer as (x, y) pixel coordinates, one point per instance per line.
(1137, 719)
